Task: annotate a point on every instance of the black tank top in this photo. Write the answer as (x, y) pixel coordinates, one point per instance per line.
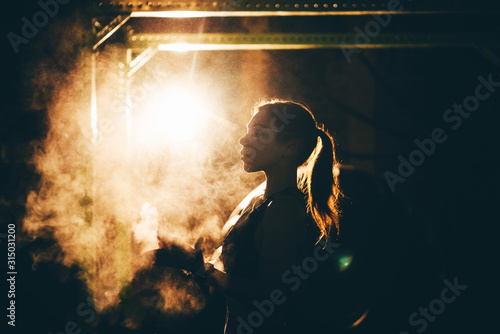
(240, 257)
(239, 253)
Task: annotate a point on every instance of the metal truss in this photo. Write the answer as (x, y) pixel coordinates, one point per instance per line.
(145, 45)
(287, 41)
(118, 13)
(187, 8)
(103, 33)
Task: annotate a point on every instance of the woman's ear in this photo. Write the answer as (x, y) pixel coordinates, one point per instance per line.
(292, 147)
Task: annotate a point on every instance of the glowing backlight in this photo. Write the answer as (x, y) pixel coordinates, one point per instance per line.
(176, 117)
(182, 47)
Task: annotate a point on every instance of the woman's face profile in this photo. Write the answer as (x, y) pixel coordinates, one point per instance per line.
(260, 150)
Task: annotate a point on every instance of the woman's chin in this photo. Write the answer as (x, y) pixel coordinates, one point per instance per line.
(248, 167)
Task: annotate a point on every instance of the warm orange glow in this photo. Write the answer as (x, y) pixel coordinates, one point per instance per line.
(206, 13)
(360, 320)
(182, 47)
(178, 117)
(145, 229)
(128, 158)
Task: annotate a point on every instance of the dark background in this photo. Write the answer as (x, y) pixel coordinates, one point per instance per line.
(398, 95)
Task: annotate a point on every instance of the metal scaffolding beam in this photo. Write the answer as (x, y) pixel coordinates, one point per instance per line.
(297, 7)
(284, 41)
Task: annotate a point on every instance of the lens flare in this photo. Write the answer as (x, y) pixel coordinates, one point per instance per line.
(344, 262)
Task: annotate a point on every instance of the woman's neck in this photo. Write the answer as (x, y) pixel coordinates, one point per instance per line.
(276, 182)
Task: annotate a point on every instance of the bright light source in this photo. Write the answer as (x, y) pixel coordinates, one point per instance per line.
(176, 47)
(213, 47)
(180, 47)
(176, 117)
(181, 117)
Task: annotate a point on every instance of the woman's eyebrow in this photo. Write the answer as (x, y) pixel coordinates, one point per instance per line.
(258, 125)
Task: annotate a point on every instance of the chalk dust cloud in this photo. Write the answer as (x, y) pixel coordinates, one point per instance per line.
(109, 185)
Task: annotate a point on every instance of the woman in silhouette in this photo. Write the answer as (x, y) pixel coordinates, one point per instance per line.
(275, 230)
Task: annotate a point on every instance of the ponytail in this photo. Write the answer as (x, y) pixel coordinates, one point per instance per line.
(319, 179)
(322, 186)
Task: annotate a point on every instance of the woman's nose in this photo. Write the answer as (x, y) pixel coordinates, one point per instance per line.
(243, 140)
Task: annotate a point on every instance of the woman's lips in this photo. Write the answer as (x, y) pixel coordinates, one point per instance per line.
(245, 155)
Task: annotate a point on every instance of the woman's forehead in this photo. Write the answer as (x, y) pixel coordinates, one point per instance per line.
(259, 119)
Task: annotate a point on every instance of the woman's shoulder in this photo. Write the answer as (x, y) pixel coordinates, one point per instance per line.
(289, 193)
(288, 200)
(287, 208)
